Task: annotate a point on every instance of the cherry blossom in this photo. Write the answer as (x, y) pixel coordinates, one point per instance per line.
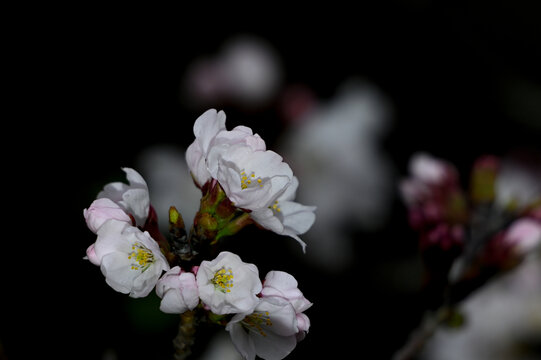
(178, 291)
(269, 332)
(228, 285)
(129, 258)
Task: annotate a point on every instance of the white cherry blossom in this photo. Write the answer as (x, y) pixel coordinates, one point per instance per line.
(129, 258)
(268, 332)
(228, 285)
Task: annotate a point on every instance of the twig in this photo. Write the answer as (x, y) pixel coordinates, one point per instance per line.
(424, 332)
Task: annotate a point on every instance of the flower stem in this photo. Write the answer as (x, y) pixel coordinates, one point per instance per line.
(420, 336)
(185, 338)
(234, 226)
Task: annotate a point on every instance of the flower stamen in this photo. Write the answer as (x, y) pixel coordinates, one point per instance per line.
(223, 280)
(256, 321)
(141, 257)
(246, 181)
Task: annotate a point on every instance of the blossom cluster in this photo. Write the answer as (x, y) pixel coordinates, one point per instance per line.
(254, 179)
(241, 183)
(268, 318)
(487, 228)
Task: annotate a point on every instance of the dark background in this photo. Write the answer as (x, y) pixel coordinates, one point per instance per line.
(89, 88)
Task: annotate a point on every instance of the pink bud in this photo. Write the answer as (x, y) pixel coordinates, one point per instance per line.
(91, 256)
(100, 211)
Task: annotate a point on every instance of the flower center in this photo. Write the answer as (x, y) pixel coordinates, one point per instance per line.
(247, 181)
(223, 280)
(256, 321)
(141, 257)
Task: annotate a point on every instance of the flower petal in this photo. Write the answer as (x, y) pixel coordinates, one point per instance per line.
(241, 340)
(297, 217)
(265, 218)
(207, 126)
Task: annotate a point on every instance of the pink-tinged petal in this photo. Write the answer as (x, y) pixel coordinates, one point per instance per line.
(91, 256)
(284, 285)
(178, 291)
(168, 280)
(524, 234)
(427, 168)
(133, 198)
(303, 322)
(189, 290)
(413, 191)
(102, 210)
(172, 303)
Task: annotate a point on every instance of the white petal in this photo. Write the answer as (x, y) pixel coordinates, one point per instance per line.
(290, 191)
(111, 239)
(116, 267)
(265, 217)
(134, 178)
(207, 126)
(169, 280)
(282, 284)
(241, 340)
(246, 285)
(196, 163)
(297, 217)
(173, 303)
(273, 346)
(282, 315)
(137, 203)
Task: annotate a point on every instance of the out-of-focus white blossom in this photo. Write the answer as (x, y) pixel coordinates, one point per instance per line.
(246, 72)
(170, 183)
(336, 151)
(503, 320)
(518, 184)
(524, 235)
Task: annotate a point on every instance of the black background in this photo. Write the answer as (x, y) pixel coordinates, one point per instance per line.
(89, 88)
